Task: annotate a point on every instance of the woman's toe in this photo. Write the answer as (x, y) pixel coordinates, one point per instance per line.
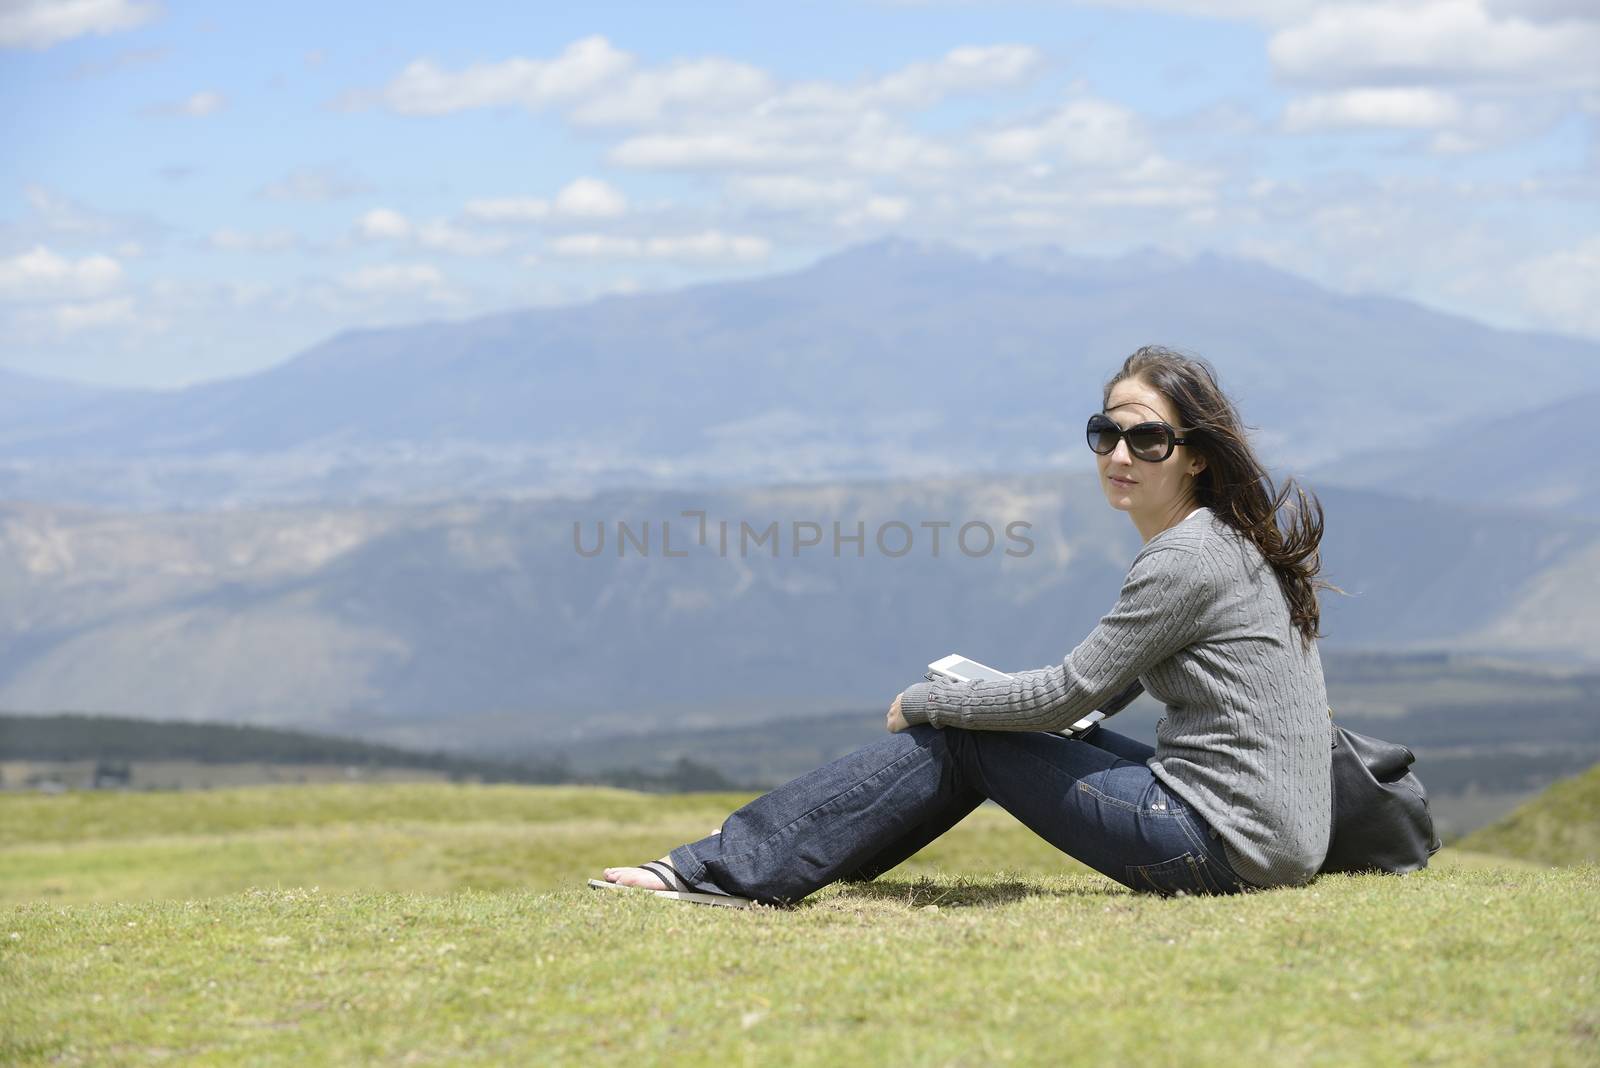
(630, 876)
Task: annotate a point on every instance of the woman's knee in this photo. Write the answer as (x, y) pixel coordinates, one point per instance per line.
(950, 745)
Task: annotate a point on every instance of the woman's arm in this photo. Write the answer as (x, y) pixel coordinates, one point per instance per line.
(1157, 613)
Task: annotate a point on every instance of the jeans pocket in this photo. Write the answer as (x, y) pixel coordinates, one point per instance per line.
(1185, 875)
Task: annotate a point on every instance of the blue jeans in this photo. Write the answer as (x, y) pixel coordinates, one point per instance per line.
(1093, 798)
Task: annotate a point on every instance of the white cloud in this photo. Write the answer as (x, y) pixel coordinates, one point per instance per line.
(959, 70)
(602, 85)
(1493, 122)
(877, 211)
(712, 84)
(1290, 12)
(1444, 41)
(876, 144)
(441, 236)
(38, 24)
(1563, 287)
(812, 124)
(1516, 67)
(868, 142)
(788, 192)
(1180, 195)
(395, 278)
(42, 274)
(123, 60)
(970, 68)
(1443, 242)
(597, 246)
(1266, 12)
(582, 198)
(711, 150)
(1411, 108)
(384, 224)
(59, 214)
(438, 235)
(205, 102)
(590, 198)
(887, 209)
(709, 245)
(230, 240)
(1481, 74)
(1243, 10)
(195, 106)
(315, 185)
(41, 327)
(1084, 132)
(76, 316)
(1062, 204)
(508, 210)
(1461, 122)
(1546, 10)
(715, 113)
(422, 88)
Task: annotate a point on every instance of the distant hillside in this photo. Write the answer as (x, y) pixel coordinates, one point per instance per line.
(31, 400)
(76, 737)
(890, 359)
(1560, 826)
(480, 623)
(432, 626)
(1493, 461)
(118, 743)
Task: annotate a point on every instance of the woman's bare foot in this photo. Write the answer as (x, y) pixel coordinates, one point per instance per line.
(640, 877)
(636, 877)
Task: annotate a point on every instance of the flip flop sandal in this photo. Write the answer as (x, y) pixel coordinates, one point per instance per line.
(677, 889)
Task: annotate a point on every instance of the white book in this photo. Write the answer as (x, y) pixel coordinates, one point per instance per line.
(959, 668)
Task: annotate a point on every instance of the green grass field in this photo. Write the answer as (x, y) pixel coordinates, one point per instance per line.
(431, 924)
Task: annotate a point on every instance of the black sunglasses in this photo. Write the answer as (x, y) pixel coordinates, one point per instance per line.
(1152, 442)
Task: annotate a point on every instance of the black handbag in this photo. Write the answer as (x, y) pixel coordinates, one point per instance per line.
(1381, 820)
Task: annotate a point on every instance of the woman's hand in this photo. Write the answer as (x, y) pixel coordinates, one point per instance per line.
(897, 722)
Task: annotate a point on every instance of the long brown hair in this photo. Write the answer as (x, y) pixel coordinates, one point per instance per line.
(1234, 484)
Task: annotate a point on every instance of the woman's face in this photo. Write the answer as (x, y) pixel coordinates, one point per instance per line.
(1159, 493)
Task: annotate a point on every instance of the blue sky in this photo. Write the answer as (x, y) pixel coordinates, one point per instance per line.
(199, 191)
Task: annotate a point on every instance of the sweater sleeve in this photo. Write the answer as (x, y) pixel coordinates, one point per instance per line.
(1157, 613)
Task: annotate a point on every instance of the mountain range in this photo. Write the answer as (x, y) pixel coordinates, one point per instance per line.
(895, 359)
(1526, 459)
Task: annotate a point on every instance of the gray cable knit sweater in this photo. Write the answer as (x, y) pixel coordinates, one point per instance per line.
(1202, 623)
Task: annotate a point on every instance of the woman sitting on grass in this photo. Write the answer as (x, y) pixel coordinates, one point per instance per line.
(1217, 617)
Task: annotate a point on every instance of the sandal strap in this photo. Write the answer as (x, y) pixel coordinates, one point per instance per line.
(668, 875)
